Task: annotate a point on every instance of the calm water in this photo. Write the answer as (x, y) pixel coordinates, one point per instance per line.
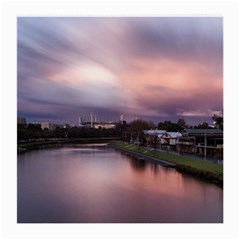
(97, 184)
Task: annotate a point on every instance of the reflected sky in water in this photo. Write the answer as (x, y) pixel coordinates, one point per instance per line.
(97, 184)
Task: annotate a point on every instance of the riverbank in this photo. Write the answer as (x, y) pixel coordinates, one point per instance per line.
(58, 142)
(211, 172)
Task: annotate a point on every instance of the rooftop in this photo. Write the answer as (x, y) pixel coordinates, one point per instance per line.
(191, 131)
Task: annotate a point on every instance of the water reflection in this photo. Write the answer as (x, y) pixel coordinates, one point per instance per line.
(137, 164)
(155, 168)
(98, 184)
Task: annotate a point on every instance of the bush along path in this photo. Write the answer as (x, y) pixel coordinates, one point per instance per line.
(209, 171)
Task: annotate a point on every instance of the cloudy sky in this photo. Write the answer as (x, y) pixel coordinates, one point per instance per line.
(155, 68)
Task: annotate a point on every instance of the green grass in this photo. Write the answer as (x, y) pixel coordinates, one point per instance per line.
(199, 165)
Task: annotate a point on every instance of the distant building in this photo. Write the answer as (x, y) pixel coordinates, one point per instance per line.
(52, 126)
(97, 123)
(48, 125)
(104, 125)
(45, 125)
(21, 120)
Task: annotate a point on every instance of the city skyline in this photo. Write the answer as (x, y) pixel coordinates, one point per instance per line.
(155, 68)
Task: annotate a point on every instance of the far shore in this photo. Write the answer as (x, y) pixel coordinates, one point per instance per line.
(55, 142)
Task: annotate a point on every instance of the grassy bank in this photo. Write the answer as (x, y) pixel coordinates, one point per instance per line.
(199, 168)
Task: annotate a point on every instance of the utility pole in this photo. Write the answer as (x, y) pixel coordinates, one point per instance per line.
(177, 141)
(138, 139)
(205, 146)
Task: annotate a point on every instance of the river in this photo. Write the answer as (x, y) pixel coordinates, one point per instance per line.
(98, 184)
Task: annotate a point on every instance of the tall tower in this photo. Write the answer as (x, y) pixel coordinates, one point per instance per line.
(121, 118)
(80, 121)
(91, 119)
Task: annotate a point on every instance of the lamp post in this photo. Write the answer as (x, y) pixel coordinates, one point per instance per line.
(138, 139)
(205, 145)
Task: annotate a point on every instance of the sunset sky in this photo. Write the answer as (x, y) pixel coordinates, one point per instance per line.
(155, 68)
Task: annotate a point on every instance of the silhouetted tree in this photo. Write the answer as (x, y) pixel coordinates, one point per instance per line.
(218, 120)
(182, 123)
(135, 130)
(204, 125)
(170, 126)
(139, 125)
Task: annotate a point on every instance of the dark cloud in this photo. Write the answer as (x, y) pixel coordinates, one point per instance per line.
(169, 106)
(185, 38)
(69, 66)
(44, 32)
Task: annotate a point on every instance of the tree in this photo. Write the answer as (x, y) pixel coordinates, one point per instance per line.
(169, 126)
(182, 123)
(135, 130)
(139, 125)
(218, 120)
(204, 125)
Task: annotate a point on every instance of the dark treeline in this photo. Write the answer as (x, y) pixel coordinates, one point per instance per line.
(31, 132)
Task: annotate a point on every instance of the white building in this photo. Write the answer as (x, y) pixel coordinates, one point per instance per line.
(45, 125)
(153, 132)
(170, 138)
(104, 125)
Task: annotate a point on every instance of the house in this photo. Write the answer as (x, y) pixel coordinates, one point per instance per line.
(206, 142)
(202, 132)
(169, 140)
(152, 136)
